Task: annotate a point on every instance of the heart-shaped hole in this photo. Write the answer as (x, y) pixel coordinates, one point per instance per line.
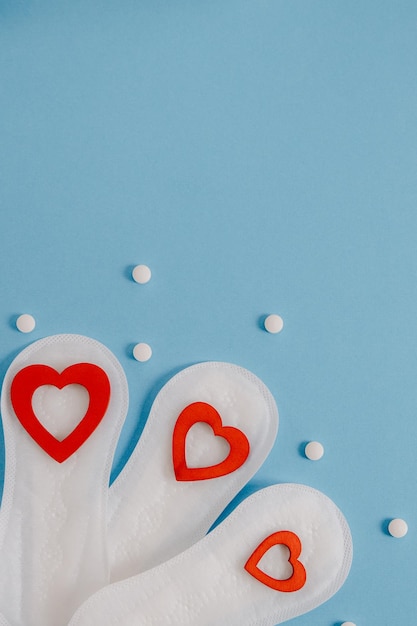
(60, 410)
(275, 563)
(203, 447)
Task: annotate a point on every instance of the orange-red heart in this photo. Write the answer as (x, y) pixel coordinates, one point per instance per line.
(30, 378)
(237, 440)
(299, 576)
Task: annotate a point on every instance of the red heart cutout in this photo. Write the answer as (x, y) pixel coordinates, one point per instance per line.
(299, 576)
(90, 376)
(237, 440)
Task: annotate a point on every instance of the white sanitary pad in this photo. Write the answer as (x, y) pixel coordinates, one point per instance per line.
(233, 577)
(152, 514)
(54, 512)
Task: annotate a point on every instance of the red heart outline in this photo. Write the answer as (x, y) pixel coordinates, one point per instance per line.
(237, 440)
(30, 378)
(299, 576)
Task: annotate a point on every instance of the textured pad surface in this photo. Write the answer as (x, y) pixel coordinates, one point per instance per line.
(208, 584)
(153, 515)
(53, 514)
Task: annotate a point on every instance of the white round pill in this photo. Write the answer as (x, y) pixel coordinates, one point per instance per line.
(274, 323)
(348, 624)
(314, 450)
(398, 528)
(142, 352)
(141, 274)
(25, 323)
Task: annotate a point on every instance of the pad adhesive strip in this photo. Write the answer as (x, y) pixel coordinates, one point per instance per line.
(53, 514)
(208, 584)
(152, 515)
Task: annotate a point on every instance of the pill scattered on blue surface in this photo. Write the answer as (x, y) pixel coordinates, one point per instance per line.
(141, 274)
(314, 450)
(25, 323)
(142, 352)
(274, 323)
(398, 528)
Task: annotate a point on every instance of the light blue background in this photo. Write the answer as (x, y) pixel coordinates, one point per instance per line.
(259, 156)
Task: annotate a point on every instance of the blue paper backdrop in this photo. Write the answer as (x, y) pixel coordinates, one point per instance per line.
(259, 156)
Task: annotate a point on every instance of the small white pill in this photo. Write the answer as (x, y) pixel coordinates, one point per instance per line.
(314, 450)
(348, 624)
(141, 274)
(25, 323)
(142, 352)
(398, 528)
(274, 323)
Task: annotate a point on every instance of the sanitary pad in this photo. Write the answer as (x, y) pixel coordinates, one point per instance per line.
(209, 430)
(53, 517)
(281, 553)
